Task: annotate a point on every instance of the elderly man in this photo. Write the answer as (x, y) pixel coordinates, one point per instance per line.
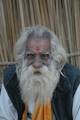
(42, 86)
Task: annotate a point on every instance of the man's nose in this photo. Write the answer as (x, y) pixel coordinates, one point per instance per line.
(37, 63)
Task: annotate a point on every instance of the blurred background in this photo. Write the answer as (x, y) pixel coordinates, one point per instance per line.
(61, 16)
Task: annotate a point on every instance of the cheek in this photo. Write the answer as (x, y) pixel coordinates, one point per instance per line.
(47, 62)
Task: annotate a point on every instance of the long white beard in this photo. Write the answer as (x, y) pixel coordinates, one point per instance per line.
(39, 85)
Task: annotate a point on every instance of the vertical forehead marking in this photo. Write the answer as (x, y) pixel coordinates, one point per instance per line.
(37, 48)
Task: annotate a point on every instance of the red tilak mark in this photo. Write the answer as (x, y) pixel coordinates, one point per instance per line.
(37, 49)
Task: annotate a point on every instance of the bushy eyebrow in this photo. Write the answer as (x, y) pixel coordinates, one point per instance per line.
(44, 52)
(47, 50)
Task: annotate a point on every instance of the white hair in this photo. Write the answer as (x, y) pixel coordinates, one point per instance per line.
(58, 52)
(51, 76)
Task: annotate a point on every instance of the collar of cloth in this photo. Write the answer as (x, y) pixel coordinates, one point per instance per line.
(41, 112)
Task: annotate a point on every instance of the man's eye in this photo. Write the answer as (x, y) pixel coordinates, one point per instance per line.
(45, 56)
(30, 56)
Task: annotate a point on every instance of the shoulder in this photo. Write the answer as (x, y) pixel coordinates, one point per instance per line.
(71, 71)
(72, 75)
(69, 80)
(9, 72)
(10, 80)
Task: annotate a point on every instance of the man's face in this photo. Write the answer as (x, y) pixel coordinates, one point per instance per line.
(38, 52)
(38, 76)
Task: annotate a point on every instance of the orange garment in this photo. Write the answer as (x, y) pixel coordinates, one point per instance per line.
(41, 112)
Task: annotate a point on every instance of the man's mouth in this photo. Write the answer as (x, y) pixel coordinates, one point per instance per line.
(37, 73)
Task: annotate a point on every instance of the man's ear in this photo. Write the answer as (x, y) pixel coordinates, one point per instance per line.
(60, 61)
(60, 57)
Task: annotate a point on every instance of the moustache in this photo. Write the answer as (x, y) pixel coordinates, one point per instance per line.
(32, 71)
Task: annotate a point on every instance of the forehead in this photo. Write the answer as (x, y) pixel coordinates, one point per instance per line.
(39, 44)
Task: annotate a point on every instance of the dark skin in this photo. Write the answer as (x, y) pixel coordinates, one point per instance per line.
(38, 52)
